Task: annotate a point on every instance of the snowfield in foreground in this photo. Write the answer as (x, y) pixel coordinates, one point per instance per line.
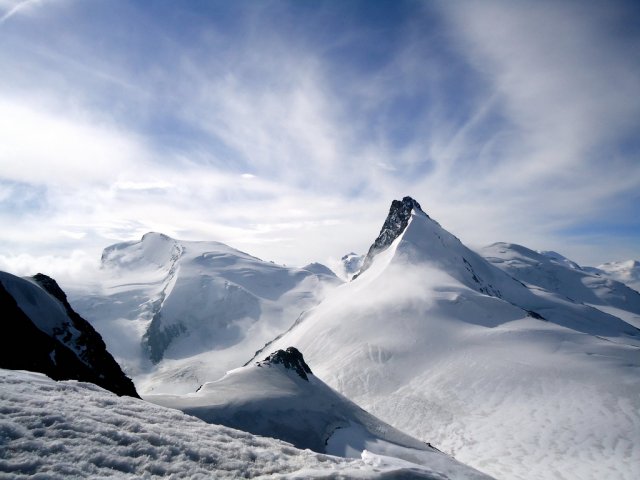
(519, 363)
(78, 430)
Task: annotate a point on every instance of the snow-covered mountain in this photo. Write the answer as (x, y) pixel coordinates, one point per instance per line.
(556, 273)
(280, 397)
(42, 333)
(322, 270)
(349, 265)
(522, 363)
(627, 272)
(176, 314)
(394, 225)
(518, 382)
(77, 430)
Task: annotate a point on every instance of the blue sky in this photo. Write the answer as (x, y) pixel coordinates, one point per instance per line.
(285, 129)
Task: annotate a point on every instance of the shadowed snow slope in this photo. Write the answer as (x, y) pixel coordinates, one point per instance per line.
(280, 397)
(61, 430)
(178, 313)
(520, 383)
(41, 332)
(555, 273)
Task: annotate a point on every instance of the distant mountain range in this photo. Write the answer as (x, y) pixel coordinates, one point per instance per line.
(520, 363)
(627, 272)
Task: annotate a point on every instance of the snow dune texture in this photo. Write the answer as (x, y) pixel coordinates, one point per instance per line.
(61, 430)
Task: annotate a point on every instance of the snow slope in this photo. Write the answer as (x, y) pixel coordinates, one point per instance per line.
(61, 430)
(520, 383)
(41, 332)
(280, 397)
(176, 314)
(627, 272)
(555, 273)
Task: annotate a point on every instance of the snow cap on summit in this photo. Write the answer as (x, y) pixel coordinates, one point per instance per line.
(154, 235)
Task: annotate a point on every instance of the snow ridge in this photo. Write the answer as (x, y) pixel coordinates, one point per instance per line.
(279, 403)
(395, 223)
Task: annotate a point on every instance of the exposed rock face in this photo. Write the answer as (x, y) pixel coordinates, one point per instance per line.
(70, 350)
(292, 359)
(224, 306)
(23, 346)
(395, 223)
(157, 338)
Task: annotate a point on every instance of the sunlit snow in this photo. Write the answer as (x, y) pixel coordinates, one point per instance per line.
(271, 400)
(518, 382)
(61, 430)
(176, 314)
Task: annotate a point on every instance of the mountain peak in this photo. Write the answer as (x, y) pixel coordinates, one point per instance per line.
(407, 202)
(52, 287)
(395, 223)
(155, 235)
(152, 249)
(291, 359)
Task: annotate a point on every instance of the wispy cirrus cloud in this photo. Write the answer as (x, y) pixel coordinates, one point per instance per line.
(561, 80)
(15, 7)
(285, 130)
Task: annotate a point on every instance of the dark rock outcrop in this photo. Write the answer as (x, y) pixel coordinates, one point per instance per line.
(292, 359)
(157, 338)
(395, 223)
(23, 346)
(74, 350)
